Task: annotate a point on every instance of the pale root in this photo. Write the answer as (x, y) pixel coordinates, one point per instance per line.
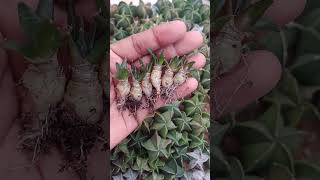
(45, 84)
(84, 93)
(123, 88)
(156, 78)
(167, 78)
(146, 85)
(136, 91)
(180, 77)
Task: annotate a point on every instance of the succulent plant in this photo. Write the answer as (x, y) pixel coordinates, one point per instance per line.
(159, 148)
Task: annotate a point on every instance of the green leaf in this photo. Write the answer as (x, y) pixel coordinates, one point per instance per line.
(306, 69)
(156, 147)
(193, 105)
(197, 141)
(272, 119)
(175, 136)
(279, 171)
(130, 157)
(283, 156)
(163, 123)
(141, 165)
(45, 9)
(172, 107)
(217, 132)
(155, 176)
(236, 171)
(29, 20)
(309, 37)
(218, 163)
(180, 154)
(137, 139)
(156, 164)
(290, 87)
(306, 171)
(123, 146)
(199, 124)
(185, 138)
(294, 115)
(255, 156)
(276, 41)
(252, 132)
(120, 163)
(173, 168)
(292, 138)
(183, 122)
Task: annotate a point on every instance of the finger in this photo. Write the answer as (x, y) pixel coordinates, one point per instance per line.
(198, 58)
(185, 89)
(51, 164)
(8, 103)
(193, 39)
(136, 46)
(14, 165)
(121, 125)
(233, 91)
(114, 59)
(284, 11)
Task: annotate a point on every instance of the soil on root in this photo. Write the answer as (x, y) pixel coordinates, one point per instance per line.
(169, 94)
(121, 103)
(133, 105)
(73, 137)
(150, 101)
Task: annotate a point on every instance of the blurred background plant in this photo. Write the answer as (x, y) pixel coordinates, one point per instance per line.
(174, 143)
(276, 137)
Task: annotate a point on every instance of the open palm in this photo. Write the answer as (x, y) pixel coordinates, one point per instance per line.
(170, 37)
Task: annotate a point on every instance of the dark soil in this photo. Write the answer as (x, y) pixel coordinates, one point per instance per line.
(66, 131)
(149, 104)
(133, 105)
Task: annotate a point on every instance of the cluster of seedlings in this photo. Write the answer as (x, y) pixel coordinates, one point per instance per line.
(62, 105)
(147, 83)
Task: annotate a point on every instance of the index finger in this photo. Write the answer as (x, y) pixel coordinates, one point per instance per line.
(135, 46)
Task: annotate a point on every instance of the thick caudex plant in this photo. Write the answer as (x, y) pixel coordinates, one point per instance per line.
(84, 91)
(173, 143)
(44, 79)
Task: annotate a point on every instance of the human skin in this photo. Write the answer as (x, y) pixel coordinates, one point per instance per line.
(264, 72)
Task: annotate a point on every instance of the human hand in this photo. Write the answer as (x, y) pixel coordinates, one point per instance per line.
(170, 37)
